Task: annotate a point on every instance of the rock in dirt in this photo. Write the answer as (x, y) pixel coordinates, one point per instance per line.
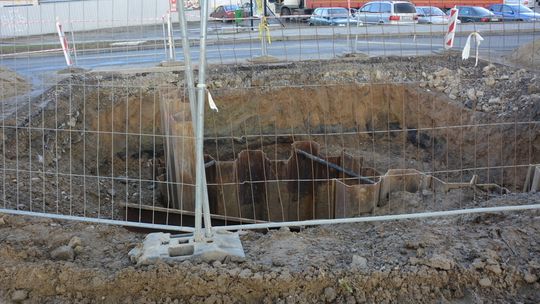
(75, 241)
(330, 294)
(494, 268)
(530, 278)
(440, 262)
(2, 221)
(63, 253)
(485, 282)
(359, 262)
(19, 295)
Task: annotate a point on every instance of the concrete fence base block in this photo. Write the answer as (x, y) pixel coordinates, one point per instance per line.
(169, 248)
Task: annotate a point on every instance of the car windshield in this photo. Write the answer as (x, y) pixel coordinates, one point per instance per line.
(521, 9)
(480, 11)
(433, 11)
(338, 12)
(404, 8)
(229, 8)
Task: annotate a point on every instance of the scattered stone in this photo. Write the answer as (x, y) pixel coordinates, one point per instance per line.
(530, 278)
(485, 282)
(488, 68)
(478, 264)
(452, 96)
(75, 241)
(471, 94)
(78, 250)
(495, 268)
(19, 295)
(359, 262)
(63, 253)
(72, 122)
(440, 262)
(111, 192)
(245, 274)
(330, 294)
(494, 100)
(2, 221)
(490, 81)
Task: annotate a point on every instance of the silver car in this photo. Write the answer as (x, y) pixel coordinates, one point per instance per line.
(432, 15)
(392, 12)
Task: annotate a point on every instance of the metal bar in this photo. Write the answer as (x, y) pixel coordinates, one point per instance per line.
(97, 220)
(379, 218)
(251, 13)
(172, 51)
(189, 213)
(164, 35)
(334, 166)
(201, 196)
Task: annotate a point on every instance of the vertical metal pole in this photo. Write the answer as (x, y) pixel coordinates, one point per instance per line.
(349, 46)
(164, 36)
(190, 82)
(172, 52)
(251, 13)
(201, 197)
(74, 42)
(263, 31)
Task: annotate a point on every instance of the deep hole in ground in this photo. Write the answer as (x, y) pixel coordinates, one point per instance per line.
(100, 140)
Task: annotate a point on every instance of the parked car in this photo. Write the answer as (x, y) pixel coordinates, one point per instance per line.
(514, 12)
(227, 12)
(332, 16)
(393, 12)
(432, 15)
(476, 14)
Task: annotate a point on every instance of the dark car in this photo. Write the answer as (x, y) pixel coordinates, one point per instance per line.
(476, 14)
(332, 16)
(514, 12)
(227, 12)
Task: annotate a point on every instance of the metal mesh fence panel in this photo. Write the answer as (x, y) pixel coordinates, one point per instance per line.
(320, 118)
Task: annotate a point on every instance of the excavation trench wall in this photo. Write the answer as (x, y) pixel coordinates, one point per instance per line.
(107, 138)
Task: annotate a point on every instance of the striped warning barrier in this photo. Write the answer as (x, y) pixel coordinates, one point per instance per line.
(449, 38)
(64, 43)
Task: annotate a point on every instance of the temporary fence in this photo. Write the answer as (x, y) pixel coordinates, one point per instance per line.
(310, 121)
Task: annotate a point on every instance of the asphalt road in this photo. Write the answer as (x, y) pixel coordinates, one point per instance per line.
(39, 68)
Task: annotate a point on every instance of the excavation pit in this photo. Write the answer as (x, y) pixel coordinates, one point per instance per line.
(336, 151)
(121, 147)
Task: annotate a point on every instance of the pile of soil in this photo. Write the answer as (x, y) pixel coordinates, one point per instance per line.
(527, 55)
(482, 258)
(12, 84)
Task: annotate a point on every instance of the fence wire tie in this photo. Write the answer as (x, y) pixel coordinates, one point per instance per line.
(264, 28)
(467, 48)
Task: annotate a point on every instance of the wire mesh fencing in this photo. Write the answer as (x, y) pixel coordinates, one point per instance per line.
(317, 121)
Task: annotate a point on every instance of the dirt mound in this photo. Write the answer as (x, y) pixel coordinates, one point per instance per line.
(486, 258)
(12, 84)
(527, 55)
